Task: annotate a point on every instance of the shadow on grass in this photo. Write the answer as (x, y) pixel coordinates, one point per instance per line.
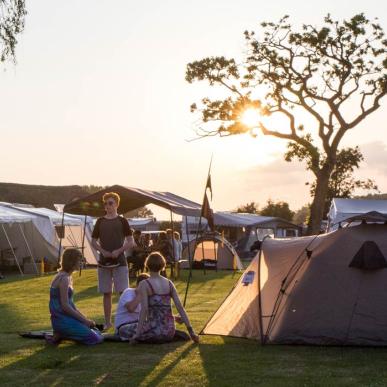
(90, 292)
(11, 321)
(75, 364)
(159, 376)
(198, 276)
(279, 365)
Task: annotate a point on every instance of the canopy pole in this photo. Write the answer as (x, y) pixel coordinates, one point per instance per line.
(28, 248)
(216, 255)
(83, 246)
(197, 233)
(190, 258)
(203, 259)
(13, 252)
(60, 239)
(190, 265)
(173, 247)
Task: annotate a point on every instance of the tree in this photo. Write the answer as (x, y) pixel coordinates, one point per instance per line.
(301, 216)
(249, 208)
(142, 212)
(12, 13)
(278, 210)
(313, 78)
(342, 184)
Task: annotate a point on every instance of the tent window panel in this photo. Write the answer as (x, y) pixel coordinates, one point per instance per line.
(289, 232)
(369, 257)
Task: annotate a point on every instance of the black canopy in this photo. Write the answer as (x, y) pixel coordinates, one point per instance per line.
(131, 199)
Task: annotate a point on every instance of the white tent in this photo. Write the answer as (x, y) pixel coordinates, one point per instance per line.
(20, 240)
(47, 222)
(73, 230)
(342, 209)
(143, 224)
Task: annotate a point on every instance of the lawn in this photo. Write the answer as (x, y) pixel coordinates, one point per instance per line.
(216, 361)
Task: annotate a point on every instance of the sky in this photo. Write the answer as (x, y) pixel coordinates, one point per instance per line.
(98, 96)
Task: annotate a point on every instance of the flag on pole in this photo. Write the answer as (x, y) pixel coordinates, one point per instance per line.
(208, 213)
(209, 184)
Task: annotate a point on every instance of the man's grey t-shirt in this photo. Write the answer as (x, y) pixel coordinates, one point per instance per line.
(111, 234)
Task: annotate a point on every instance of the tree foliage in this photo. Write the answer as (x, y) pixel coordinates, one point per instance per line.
(341, 184)
(301, 216)
(248, 208)
(277, 209)
(310, 78)
(142, 212)
(12, 14)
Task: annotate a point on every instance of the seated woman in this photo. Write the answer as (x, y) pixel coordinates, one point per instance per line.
(156, 322)
(128, 311)
(67, 321)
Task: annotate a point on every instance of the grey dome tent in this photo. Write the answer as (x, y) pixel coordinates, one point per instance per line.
(215, 250)
(329, 289)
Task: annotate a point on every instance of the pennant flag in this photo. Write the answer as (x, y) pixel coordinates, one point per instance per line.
(208, 213)
(209, 184)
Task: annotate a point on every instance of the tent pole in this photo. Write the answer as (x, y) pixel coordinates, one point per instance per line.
(216, 256)
(190, 258)
(13, 252)
(190, 265)
(29, 249)
(60, 239)
(204, 261)
(173, 246)
(83, 246)
(197, 232)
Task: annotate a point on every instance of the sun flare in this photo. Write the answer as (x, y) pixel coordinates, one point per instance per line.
(251, 117)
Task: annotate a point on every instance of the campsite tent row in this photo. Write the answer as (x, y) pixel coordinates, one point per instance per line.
(29, 235)
(32, 234)
(243, 228)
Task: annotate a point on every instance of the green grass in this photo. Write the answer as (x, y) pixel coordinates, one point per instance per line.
(216, 361)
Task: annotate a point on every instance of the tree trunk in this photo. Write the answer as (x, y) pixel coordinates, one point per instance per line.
(317, 207)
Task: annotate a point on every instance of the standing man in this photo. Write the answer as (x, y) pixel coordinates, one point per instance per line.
(111, 237)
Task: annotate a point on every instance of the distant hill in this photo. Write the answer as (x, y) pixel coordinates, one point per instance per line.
(43, 195)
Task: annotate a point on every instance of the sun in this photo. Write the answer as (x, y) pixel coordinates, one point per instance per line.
(251, 117)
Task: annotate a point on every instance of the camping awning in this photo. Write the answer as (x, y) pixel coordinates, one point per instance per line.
(343, 209)
(131, 199)
(372, 216)
(139, 221)
(235, 219)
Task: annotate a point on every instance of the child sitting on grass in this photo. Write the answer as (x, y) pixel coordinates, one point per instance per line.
(67, 321)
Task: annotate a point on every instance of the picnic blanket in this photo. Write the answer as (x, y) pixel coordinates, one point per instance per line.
(179, 336)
